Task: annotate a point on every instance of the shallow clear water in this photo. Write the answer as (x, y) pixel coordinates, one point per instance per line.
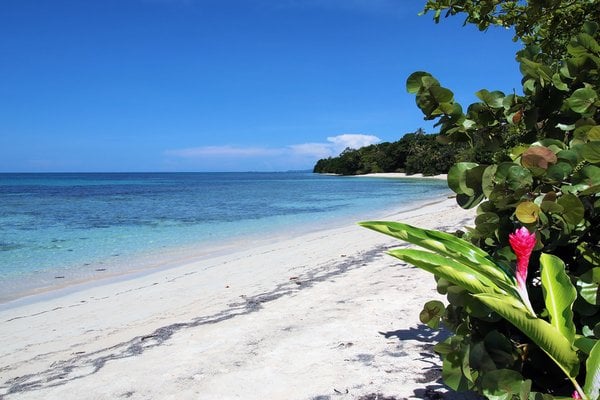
(77, 226)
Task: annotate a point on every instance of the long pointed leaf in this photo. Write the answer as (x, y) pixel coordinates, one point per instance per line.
(451, 270)
(448, 245)
(559, 295)
(548, 338)
(592, 377)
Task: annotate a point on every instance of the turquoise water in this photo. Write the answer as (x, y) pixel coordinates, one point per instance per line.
(60, 227)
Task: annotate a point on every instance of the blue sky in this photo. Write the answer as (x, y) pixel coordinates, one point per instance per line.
(224, 85)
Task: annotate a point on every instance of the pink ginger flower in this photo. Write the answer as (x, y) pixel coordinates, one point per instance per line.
(522, 242)
(576, 395)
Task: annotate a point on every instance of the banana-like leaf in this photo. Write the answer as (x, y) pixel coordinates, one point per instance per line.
(559, 295)
(548, 338)
(451, 270)
(592, 377)
(447, 245)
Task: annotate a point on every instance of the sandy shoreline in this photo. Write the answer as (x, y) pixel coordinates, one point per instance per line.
(324, 315)
(403, 175)
(395, 175)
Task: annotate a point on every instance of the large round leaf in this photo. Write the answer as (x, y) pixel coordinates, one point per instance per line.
(487, 180)
(487, 222)
(527, 212)
(582, 100)
(558, 172)
(593, 134)
(569, 156)
(415, 81)
(591, 152)
(457, 178)
(538, 157)
(432, 313)
(468, 202)
(492, 99)
(573, 208)
(519, 177)
(502, 384)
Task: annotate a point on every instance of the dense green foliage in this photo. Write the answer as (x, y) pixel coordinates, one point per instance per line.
(544, 174)
(549, 24)
(413, 153)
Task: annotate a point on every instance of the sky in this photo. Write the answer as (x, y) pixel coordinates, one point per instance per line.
(224, 85)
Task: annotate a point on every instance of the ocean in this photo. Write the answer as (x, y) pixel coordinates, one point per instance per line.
(57, 229)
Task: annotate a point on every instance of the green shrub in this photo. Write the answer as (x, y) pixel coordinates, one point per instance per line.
(538, 166)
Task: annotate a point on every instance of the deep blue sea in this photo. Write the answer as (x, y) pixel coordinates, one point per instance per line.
(57, 228)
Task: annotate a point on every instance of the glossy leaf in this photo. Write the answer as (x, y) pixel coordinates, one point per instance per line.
(548, 338)
(538, 157)
(446, 245)
(414, 83)
(432, 313)
(582, 100)
(460, 274)
(527, 212)
(559, 295)
(573, 208)
(592, 379)
(591, 152)
(457, 178)
(502, 384)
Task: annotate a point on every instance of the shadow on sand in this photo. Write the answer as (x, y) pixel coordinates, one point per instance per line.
(435, 388)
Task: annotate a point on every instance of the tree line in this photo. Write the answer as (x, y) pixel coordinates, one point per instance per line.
(416, 152)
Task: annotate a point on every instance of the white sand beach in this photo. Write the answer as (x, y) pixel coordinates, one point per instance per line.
(324, 315)
(403, 175)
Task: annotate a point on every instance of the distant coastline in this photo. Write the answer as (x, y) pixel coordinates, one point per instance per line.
(393, 175)
(403, 175)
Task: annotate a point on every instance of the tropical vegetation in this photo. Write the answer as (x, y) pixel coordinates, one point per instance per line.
(416, 152)
(523, 284)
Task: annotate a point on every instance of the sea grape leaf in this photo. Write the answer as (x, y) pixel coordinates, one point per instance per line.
(432, 313)
(502, 384)
(593, 134)
(468, 202)
(527, 212)
(589, 291)
(519, 177)
(455, 369)
(500, 349)
(573, 208)
(591, 152)
(538, 157)
(487, 180)
(415, 81)
(492, 99)
(582, 100)
(457, 178)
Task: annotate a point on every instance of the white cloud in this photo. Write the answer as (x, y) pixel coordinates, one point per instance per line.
(223, 151)
(353, 141)
(295, 156)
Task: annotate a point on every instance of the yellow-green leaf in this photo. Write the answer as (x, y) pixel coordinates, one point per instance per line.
(559, 295)
(548, 338)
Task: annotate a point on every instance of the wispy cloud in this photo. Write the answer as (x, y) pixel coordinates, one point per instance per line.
(223, 151)
(302, 155)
